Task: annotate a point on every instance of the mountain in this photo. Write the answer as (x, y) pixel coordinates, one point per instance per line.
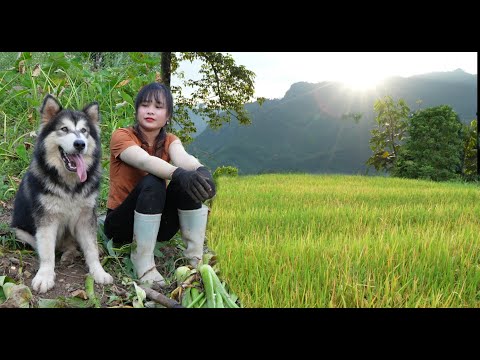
(456, 76)
(305, 131)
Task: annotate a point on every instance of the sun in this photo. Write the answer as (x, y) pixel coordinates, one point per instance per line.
(362, 81)
(365, 73)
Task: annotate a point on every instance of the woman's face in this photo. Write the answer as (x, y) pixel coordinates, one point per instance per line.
(152, 115)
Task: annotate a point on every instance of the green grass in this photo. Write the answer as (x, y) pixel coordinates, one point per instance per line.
(24, 83)
(347, 241)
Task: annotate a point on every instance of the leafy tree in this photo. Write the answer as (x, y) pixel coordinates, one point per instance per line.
(469, 161)
(434, 147)
(389, 132)
(220, 94)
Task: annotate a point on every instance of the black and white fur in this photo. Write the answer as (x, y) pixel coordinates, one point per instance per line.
(56, 201)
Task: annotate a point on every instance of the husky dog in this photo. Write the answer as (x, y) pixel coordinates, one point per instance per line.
(56, 201)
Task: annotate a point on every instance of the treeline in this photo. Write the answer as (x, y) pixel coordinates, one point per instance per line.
(429, 143)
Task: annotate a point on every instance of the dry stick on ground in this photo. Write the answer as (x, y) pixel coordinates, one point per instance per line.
(160, 298)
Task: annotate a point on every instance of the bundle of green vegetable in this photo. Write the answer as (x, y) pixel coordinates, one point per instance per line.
(202, 288)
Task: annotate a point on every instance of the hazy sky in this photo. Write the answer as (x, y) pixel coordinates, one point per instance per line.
(277, 71)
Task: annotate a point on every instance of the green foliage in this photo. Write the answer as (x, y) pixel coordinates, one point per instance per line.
(434, 148)
(68, 77)
(7, 187)
(469, 160)
(225, 171)
(217, 96)
(13, 295)
(4, 280)
(389, 132)
(220, 171)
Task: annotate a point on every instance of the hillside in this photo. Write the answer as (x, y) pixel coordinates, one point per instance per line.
(304, 131)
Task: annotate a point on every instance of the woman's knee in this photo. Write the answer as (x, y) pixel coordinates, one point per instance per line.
(181, 198)
(152, 194)
(153, 185)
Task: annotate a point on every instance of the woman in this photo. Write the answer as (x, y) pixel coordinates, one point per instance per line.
(141, 207)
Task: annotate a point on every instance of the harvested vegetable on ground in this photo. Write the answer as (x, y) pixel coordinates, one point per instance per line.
(201, 287)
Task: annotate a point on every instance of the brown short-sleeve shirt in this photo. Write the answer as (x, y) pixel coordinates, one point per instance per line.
(123, 177)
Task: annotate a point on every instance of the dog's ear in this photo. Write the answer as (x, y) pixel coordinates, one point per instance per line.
(50, 108)
(92, 111)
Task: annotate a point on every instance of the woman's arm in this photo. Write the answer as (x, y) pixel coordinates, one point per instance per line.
(181, 158)
(137, 157)
(186, 161)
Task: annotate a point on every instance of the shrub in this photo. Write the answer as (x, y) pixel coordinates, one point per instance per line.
(225, 171)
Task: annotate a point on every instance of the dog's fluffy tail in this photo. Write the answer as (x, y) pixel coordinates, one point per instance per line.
(25, 238)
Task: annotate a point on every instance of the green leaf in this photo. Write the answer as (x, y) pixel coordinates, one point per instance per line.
(7, 289)
(18, 295)
(62, 302)
(141, 296)
(48, 303)
(110, 250)
(157, 251)
(129, 268)
(126, 97)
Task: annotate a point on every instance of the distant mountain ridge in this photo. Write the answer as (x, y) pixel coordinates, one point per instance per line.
(457, 75)
(304, 131)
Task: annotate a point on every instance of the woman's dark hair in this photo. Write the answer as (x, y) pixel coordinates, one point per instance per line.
(154, 92)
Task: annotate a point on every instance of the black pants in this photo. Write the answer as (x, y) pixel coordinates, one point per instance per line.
(150, 196)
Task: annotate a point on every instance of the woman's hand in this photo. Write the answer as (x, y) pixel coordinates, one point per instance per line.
(207, 175)
(194, 183)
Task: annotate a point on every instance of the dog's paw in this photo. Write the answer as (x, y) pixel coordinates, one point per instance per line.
(102, 277)
(43, 281)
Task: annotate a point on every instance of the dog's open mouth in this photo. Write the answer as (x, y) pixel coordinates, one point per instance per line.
(74, 163)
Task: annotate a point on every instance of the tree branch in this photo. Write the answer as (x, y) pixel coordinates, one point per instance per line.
(160, 298)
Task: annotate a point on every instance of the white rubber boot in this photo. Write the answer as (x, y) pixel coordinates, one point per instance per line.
(193, 225)
(145, 231)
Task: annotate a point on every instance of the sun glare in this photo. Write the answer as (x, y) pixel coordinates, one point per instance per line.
(362, 82)
(363, 73)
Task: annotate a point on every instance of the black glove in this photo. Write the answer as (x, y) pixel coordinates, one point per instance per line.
(207, 175)
(193, 183)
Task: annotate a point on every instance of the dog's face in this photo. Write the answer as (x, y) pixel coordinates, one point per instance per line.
(70, 137)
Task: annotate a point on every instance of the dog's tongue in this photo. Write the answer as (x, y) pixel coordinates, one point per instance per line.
(81, 168)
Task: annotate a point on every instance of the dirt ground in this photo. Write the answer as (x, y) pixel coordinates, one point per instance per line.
(21, 264)
(69, 280)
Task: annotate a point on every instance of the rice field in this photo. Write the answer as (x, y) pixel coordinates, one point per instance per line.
(336, 241)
